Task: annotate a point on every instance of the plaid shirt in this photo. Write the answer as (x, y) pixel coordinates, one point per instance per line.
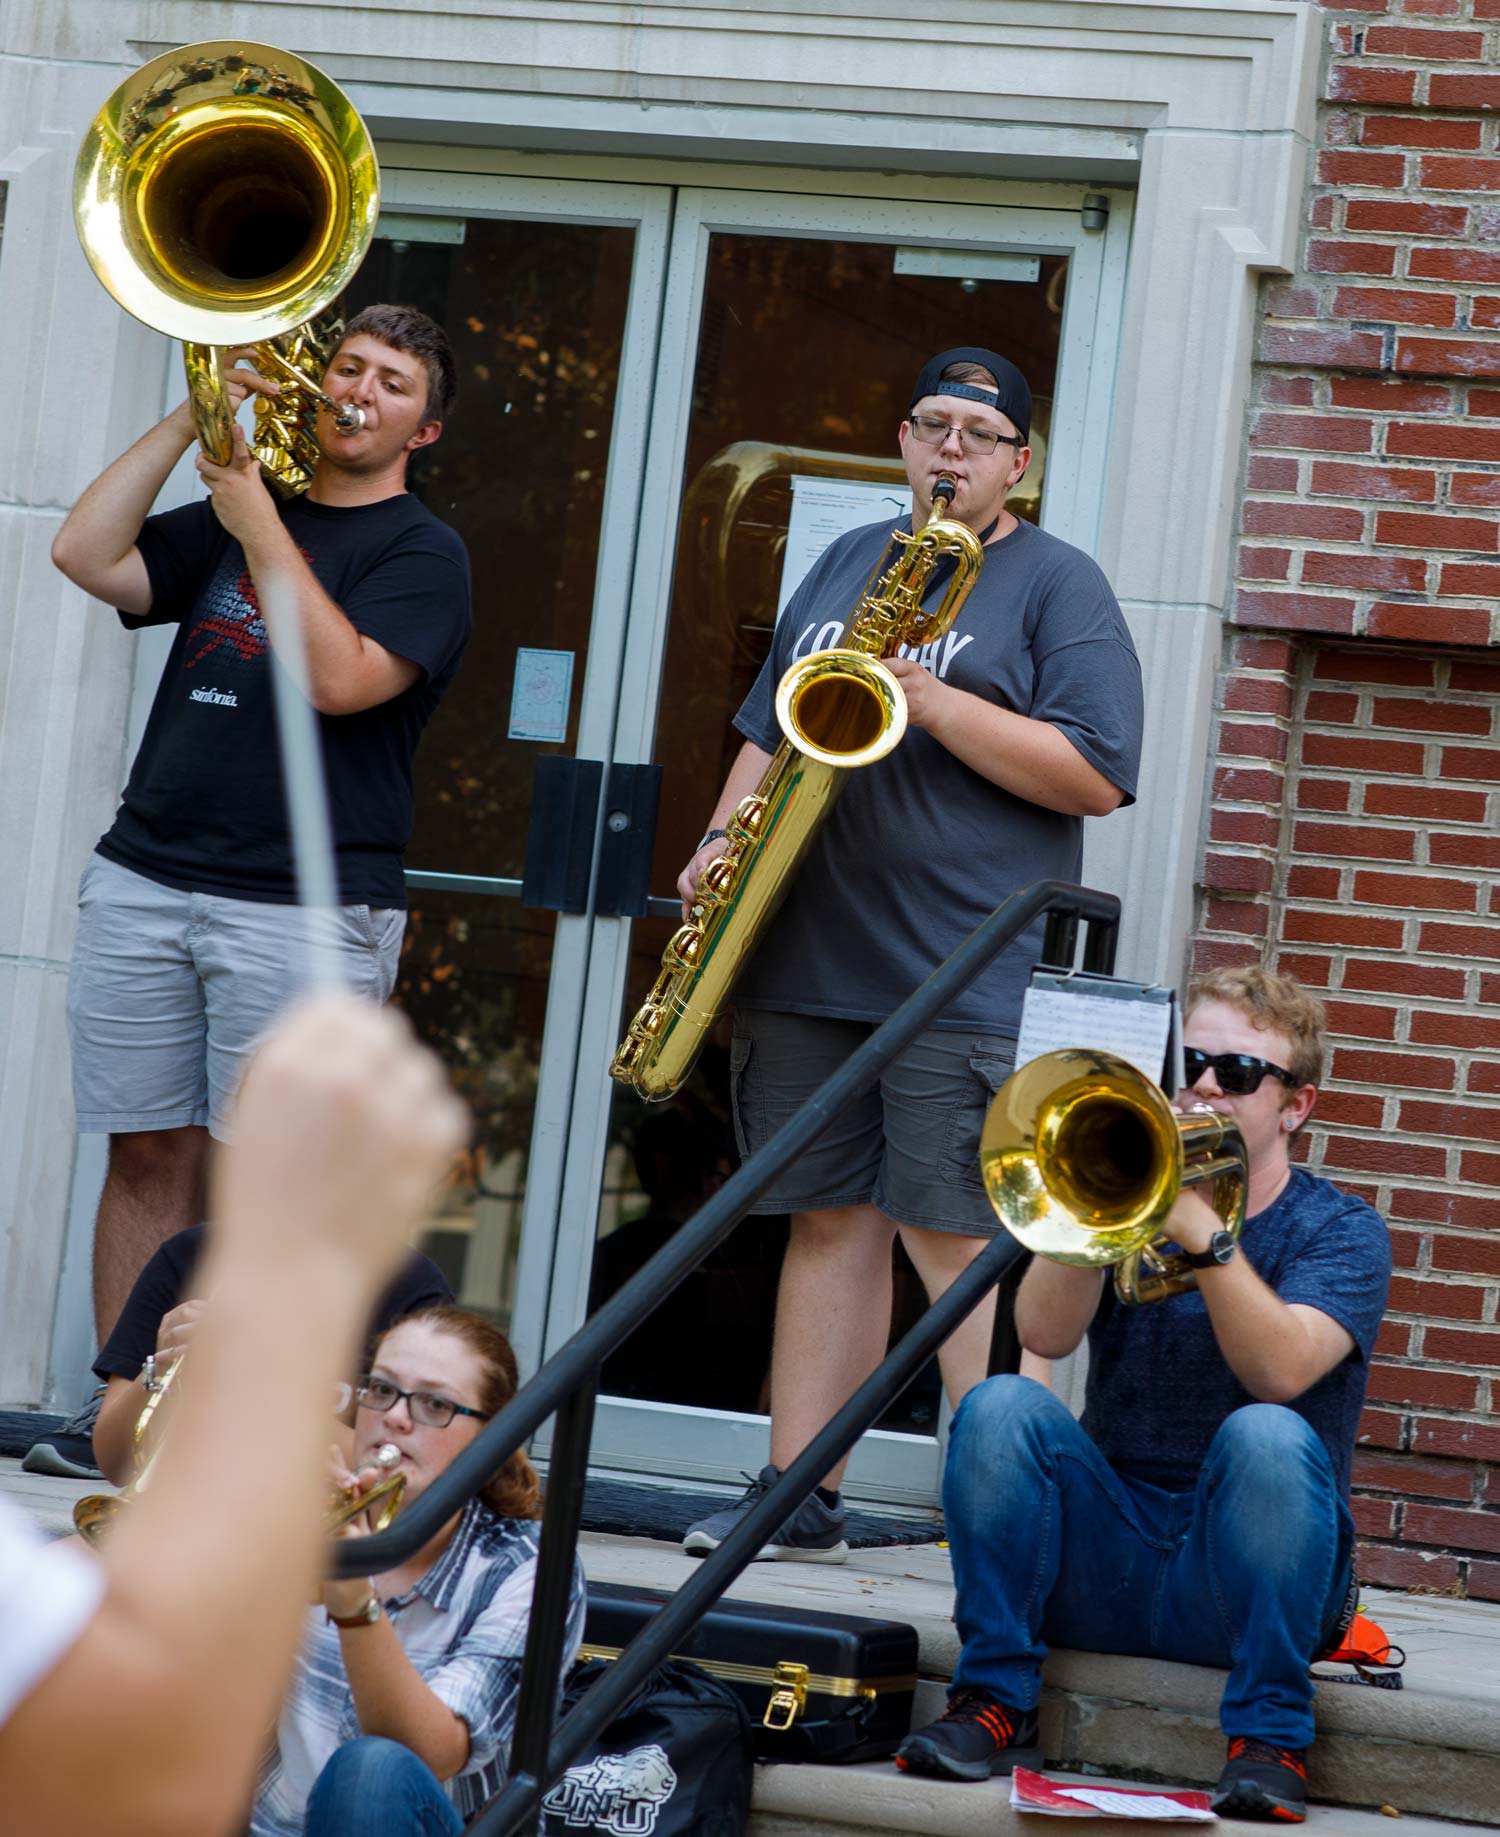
(464, 1628)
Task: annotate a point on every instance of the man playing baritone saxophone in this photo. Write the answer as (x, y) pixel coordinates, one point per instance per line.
(1199, 1511)
(188, 921)
(1024, 719)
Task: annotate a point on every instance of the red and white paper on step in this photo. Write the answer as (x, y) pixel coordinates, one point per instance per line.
(1035, 1792)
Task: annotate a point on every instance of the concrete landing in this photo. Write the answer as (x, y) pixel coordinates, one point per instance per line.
(1430, 1751)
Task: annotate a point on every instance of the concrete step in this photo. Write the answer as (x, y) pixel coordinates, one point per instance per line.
(873, 1800)
(1430, 1749)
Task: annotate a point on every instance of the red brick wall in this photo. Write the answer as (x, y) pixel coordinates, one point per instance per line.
(1354, 833)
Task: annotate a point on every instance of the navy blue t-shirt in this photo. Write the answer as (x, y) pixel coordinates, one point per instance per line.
(1158, 1385)
(920, 848)
(204, 810)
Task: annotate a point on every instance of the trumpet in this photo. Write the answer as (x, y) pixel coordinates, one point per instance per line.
(96, 1512)
(1082, 1158)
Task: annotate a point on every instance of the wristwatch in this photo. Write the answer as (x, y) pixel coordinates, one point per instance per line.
(366, 1617)
(1221, 1249)
(710, 835)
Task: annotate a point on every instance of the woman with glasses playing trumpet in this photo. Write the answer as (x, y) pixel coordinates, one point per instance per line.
(400, 1716)
(1199, 1511)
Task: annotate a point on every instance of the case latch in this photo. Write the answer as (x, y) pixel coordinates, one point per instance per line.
(788, 1697)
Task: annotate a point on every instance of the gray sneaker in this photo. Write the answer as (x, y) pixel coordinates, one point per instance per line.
(813, 1534)
(68, 1452)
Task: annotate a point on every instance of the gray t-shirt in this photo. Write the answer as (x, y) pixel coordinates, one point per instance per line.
(920, 848)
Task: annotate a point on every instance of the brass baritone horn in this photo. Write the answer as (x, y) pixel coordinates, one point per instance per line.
(225, 195)
(96, 1512)
(839, 709)
(1083, 1158)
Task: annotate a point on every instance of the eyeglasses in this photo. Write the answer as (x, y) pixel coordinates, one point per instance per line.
(1237, 1073)
(932, 430)
(428, 1407)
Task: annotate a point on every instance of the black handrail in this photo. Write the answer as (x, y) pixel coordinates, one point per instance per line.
(566, 1383)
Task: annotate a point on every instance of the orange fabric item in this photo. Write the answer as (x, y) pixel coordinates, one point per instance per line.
(1365, 1643)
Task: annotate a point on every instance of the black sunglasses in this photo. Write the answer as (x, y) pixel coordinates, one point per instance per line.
(1237, 1073)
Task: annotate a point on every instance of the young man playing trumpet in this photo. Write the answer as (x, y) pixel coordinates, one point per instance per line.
(1199, 1511)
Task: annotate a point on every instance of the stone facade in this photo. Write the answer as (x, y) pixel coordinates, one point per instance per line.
(1353, 835)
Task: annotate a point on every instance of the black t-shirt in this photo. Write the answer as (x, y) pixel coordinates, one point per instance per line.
(204, 809)
(167, 1280)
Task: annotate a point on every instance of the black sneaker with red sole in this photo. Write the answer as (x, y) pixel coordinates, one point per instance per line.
(1261, 1780)
(976, 1736)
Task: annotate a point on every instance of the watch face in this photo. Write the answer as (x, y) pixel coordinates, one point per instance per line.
(1221, 1246)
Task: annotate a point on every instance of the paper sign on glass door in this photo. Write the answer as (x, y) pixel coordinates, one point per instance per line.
(539, 700)
(823, 508)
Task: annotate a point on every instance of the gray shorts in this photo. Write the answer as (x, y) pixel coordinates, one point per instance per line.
(170, 992)
(910, 1146)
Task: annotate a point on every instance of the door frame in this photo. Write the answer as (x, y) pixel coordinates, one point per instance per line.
(648, 210)
(715, 1446)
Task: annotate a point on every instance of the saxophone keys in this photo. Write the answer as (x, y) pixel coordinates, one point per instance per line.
(684, 947)
(716, 882)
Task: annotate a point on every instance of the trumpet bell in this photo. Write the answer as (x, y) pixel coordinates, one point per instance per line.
(226, 192)
(1083, 1158)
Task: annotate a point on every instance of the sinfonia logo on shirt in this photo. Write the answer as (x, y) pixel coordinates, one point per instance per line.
(221, 698)
(619, 1793)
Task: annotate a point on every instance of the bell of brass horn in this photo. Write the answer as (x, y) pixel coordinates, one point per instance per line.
(1083, 1158)
(225, 194)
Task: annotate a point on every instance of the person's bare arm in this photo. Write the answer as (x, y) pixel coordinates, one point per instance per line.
(1054, 1306)
(1277, 1349)
(343, 1127)
(115, 1445)
(96, 546)
(1030, 759)
(346, 670)
(745, 774)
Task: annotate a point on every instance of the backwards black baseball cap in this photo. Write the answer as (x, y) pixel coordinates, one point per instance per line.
(1014, 398)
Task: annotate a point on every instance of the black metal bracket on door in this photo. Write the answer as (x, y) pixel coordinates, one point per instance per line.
(560, 840)
(631, 799)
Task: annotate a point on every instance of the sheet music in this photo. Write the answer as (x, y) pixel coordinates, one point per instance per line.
(1128, 1020)
(823, 508)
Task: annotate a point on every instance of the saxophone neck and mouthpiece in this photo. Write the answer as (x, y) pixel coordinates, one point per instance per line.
(943, 493)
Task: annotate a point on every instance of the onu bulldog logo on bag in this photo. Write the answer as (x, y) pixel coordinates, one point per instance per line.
(619, 1793)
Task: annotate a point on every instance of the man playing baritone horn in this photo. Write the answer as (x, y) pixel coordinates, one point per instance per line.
(188, 925)
(1199, 1512)
(1024, 719)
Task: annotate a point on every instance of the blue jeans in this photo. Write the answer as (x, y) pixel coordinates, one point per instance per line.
(1050, 1545)
(376, 1788)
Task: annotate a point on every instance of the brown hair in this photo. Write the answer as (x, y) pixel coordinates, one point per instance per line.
(514, 1492)
(1272, 1001)
(408, 328)
(966, 371)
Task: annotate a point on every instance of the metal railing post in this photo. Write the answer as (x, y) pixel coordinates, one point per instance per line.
(541, 1667)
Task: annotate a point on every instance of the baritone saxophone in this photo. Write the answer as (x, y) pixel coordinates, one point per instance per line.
(839, 709)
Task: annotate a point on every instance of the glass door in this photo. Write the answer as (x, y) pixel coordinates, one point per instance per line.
(792, 329)
(551, 293)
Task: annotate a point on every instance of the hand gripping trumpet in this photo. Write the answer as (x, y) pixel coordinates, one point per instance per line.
(96, 1512)
(839, 709)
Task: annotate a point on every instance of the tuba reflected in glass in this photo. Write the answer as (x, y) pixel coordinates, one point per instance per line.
(1083, 1157)
(225, 194)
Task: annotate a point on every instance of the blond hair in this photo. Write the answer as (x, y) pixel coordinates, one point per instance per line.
(1276, 1002)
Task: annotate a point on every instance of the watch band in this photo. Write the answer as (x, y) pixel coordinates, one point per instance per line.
(710, 835)
(366, 1617)
(1221, 1249)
